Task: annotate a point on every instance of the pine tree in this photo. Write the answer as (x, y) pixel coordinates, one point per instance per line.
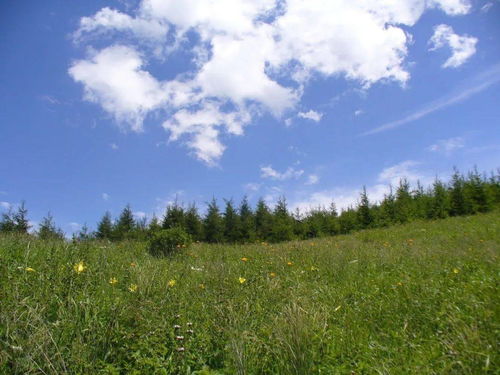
(154, 225)
(105, 227)
(263, 220)
(126, 224)
(231, 223)
(7, 225)
(282, 228)
(440, 207)
(403, 203)
(348, 220)
(388, 209)
(458, 203)
(365, 217)
(174, 216)
(247, 222)
(83, 234)
(193, 223)
(333, 221)
(212, 225)
(21, 222)
(48, 230)
(476, 193)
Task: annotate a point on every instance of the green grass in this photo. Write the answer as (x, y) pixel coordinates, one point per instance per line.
(414, 299)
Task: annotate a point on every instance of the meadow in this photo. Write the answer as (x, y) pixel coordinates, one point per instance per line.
(420, 298)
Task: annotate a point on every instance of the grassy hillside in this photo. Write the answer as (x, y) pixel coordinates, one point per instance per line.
(420, 298)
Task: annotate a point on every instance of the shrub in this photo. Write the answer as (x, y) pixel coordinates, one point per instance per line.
(167, 241)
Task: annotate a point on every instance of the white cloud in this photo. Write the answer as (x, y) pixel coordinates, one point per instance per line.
(114, 146)
(269, 172)
(311, 115)
(358, 112)
(140, 215)
(252, 186)
(447, 146)
(74, 226)
(5, 205)
(251, 57)
(480, 83)
(392, 175)
(462, 47)
(312, 179)
(113, 78)
(486, 7)
(105, 196)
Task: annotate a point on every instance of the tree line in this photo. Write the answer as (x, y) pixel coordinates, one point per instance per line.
(462, 195)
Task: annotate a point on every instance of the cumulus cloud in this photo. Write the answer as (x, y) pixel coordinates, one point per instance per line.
(312, 179)
(447, 146)
(5, 205)
(462, 46)
(269, 172)
(105, 196)
(249, 57)
(311, 115)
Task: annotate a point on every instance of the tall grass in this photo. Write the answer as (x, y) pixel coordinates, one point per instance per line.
(420, 298)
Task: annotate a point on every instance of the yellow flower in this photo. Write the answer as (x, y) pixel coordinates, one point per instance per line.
(456, 270)
(272, 274)
(133, 288)
(244, 259)
(242, 280)
(202, 286)
(79, 267)
(113, 280)
(172, 283)
(29, 269)
(290, 263)
(400, 283)
(133, 264)
(337, 308)
(314, 268)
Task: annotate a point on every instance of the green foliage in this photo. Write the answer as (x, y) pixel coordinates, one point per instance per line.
(15, 222)
(168, 241)
(246, 223)
(105, 227)
(174, 216)
(213, 227)
(48, 229)
(125, 226)
(231, 223)
(193, 224)
(365, 216)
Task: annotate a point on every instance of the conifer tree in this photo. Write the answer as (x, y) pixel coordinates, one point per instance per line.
(365, 217)
(154, 225)
(105, 227)
(193, 223)
(403, 203)
(48, 230)
(231, 223)
(458, 203)
(388, 209)
(212, 225)
(439, 209)
(476, 193)
(282, 228)
(21, 222)
(174, 216)
(126, 224)
(247, 222)
(263, 220)
(7, 225)
(333, 222)
(348, 220)
(83, 234)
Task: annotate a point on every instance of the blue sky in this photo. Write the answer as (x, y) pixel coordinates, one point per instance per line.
(105, 103)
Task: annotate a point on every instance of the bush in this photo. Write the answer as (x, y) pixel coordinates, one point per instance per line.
(167, 241)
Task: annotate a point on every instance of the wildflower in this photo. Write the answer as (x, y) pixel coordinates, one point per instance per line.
(79, 267)
(290, 263)
(196, 269)
(400, 283)
(177, 316)
(133, 264)
(353, 261)
(242, 280)
(456, 270)
(179, 338)
(172, 283)
(190, 331)
(202, 286)
(272, 274)
(181, 350)
(337, 308)
(113, 280)
(314, 268)
(176, 326)
(244, 259)
(29, 269)
(133, 288)
(189, 324)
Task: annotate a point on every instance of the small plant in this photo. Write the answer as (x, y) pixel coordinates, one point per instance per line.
(167, 241)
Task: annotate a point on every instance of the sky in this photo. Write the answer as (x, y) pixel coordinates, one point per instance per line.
(108, 103)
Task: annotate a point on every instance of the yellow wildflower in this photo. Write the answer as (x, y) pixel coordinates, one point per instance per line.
(133, 288)
(456, 270)
(337, 308)
(242, 280)
(172, 283)
(244, 259)
(133, 264)
(79, 267)
(202, 286)
(314, 268)
(29, 269)
(113, 280)
(290, 263)
(272, 274)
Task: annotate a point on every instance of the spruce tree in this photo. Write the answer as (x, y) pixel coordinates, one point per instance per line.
(105, 227)
(247, 222)
(21, 222)
(263, 220)
(333, 221)
(126, 224)
(154, 225)
(174, 216)
(282, 225)
(388, 209)
(476, 193)
(458, 202)
(404, 202)
(365, 217)
(7, 225)
(231, 223)
(193, 224)
(212, 225)
(440, 207)
(48, 230)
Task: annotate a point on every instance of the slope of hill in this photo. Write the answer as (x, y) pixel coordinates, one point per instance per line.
(419, 298)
